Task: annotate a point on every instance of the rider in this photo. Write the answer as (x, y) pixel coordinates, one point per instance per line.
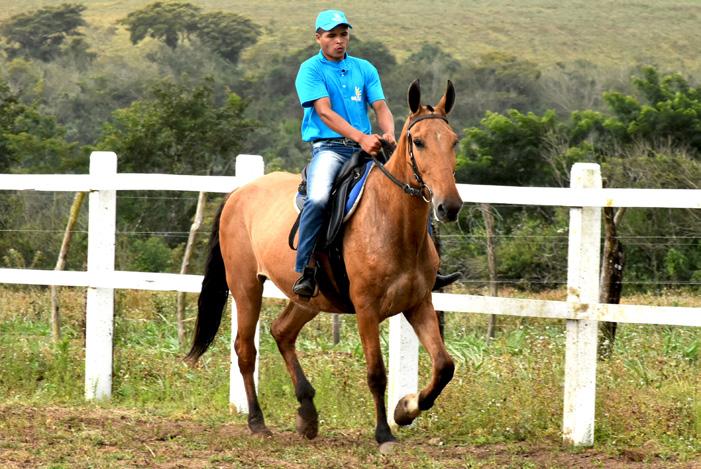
(335, 90)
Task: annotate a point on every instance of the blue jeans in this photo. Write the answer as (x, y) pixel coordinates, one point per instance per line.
(327, 159)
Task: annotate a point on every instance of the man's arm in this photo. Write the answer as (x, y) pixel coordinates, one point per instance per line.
(385, 120)
(369, 143)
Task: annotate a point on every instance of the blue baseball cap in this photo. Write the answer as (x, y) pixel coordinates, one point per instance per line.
(329, 19)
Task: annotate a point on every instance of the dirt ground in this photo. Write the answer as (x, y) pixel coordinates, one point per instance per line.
(60, 437)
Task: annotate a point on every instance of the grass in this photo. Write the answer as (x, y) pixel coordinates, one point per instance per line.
(547, 32)
(506, 395)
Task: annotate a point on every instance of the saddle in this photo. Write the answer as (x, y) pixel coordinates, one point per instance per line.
(345, 196)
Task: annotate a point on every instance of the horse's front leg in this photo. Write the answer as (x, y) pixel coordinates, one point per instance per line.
(369, 329)
(425, 323)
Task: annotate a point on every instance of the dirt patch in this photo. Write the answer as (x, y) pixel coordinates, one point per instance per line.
(99, 437)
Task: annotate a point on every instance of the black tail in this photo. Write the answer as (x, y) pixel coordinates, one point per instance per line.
(213, 296)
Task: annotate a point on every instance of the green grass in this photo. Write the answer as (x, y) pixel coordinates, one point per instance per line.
(505, 391)
(547, 32)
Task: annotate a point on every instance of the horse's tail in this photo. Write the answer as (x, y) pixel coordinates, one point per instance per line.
(213, 296)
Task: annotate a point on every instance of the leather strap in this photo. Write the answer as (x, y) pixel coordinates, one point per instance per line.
(293, 232)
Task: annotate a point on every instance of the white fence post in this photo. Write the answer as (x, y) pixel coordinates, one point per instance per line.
(403, 362)
(248, 167)
(582, 287)
(100, 301)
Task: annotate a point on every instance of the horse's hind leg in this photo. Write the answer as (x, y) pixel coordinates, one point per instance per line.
(424, 321)
(248, 298)
(285, 330)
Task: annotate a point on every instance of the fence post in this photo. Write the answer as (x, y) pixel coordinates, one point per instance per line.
(582, 287)
(248, 167)
(99, 315)
(403, 362)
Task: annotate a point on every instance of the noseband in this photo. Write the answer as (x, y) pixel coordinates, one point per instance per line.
(423, 190)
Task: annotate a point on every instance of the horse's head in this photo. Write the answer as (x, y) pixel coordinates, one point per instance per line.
(428, 143)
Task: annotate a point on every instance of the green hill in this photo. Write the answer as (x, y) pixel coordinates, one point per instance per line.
(620, 33)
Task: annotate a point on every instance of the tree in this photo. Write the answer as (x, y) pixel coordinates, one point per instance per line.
(46, 33)
(173, 23)
(374, 51)
(499, 81)
(431, 65)
(226, 34)
(178, 129)
(169, 22)
(31, 141)
(648, 141)
(670, 112)
(10, 109)
(175, 129)
(278, 140)
(507, 149)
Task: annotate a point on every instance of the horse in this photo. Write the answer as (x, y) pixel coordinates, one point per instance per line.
(390, 259)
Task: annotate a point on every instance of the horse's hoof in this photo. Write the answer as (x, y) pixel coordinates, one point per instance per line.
(261, 430)
(265, 433)
(407, 410)
(388, 447)
(308, 429)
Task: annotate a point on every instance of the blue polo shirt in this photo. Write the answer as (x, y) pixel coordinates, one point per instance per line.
(351, 85)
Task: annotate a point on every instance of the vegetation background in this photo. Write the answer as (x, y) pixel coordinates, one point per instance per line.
(605, 32)
(182, 87)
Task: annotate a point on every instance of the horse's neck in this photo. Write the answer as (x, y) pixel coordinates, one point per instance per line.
(404, 217)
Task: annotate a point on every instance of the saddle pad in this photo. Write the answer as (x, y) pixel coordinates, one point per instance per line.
(353, 196)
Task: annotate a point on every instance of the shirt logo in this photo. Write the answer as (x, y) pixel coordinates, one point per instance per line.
(358, 95)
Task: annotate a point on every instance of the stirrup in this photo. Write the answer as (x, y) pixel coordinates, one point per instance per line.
(306, 286)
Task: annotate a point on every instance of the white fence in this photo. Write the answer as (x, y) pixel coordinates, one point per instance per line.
(581, 310)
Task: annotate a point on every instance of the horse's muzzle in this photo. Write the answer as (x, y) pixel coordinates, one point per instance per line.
(447, 210)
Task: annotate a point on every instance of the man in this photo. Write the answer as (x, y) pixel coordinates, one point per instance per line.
(335, 91)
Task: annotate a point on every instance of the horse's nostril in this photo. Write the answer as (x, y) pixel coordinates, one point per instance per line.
(441, 209)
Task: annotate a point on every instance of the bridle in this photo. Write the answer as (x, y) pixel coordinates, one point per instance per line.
(423, 190)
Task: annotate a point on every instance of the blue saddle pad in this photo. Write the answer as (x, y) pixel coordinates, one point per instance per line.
(353, 196)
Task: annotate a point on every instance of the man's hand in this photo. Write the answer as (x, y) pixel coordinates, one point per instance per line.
(370, 143)
(389, 138)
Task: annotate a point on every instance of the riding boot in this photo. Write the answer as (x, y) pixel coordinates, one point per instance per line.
(445, 280)
(306, 286)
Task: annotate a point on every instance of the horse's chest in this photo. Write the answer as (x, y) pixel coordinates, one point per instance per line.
(392, 293)
(405, 292)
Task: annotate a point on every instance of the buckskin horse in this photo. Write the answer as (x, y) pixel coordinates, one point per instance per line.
(390, 259)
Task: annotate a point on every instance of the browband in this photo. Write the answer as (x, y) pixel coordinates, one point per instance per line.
(427, 116)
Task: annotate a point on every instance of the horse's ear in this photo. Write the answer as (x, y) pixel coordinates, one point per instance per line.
(448, 99)
(414, 96)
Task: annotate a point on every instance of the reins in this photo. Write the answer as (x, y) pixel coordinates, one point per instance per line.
(423, 190)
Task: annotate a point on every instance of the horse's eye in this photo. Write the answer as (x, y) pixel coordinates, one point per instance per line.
(419, 143)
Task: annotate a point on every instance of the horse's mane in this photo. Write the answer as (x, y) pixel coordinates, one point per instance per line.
(388, 148)
(385, 152)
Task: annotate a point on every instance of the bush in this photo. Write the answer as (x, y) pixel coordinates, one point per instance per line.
(150, 255)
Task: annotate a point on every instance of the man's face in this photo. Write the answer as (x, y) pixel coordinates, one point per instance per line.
(334, 43)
